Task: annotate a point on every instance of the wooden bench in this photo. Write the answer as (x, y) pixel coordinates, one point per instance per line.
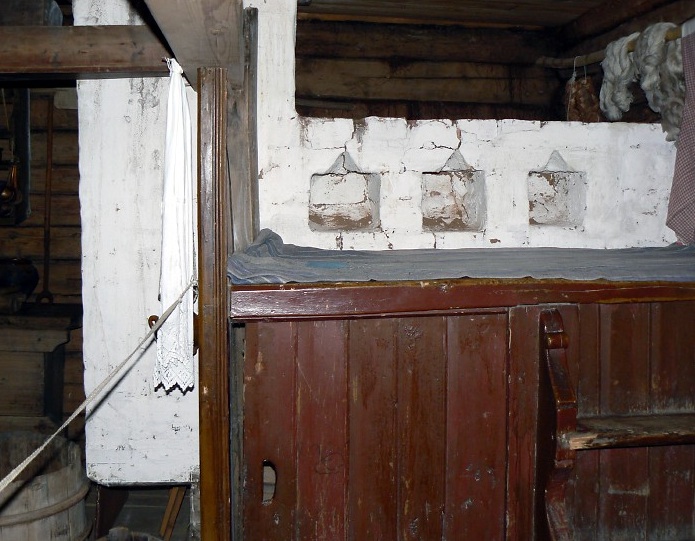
(572, 432)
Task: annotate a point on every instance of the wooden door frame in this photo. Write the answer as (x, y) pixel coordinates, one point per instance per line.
(227, 220)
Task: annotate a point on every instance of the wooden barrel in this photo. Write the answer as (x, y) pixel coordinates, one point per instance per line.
(47, 502)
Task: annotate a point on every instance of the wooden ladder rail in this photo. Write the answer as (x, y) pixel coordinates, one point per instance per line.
(563, 420)
(571, 432)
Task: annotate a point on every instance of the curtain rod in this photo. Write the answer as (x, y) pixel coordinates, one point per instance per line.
(596, 56)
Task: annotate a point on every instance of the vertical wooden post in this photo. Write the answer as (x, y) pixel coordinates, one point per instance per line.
(242, 141)
(213, 216)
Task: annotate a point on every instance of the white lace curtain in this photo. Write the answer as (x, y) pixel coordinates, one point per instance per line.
(174, 364)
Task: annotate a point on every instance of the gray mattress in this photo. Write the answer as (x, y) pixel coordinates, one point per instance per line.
(269, 260)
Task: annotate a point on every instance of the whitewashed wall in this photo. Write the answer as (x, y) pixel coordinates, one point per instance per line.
(626, 169)
(137, 435)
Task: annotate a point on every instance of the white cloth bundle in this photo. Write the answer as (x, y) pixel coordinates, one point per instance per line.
(618, 73)
(174, 364)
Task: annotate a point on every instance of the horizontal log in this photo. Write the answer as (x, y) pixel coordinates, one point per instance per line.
(65, 210)
(416, 42)
(418, 110)
(34, 341)
(65, 179)
(21, 380)
(63, 119)
(605, 17)
(417, 81)
(65, 148)
(472, 12)
(81, 51)
(26, 423)
(65, 281)
(675, 12)
(28, 242)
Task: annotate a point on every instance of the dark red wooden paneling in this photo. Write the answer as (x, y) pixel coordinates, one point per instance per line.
(584, 350)
(624, 473)
(360, 299)
(522, 497)
(476, 427)
(422, 427)
(322, 437)
(427, 427)
(269, 430)
(671, 505)
(373, 470)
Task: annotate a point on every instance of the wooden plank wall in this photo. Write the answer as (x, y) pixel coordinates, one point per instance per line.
(633, 358)
(356, 69)
(353, 70)
(427, 427)
(26, 239)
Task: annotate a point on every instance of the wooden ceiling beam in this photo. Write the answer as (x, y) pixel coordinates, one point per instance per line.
(674, 12)
(203, 34)
(607, 16)
(80, 52)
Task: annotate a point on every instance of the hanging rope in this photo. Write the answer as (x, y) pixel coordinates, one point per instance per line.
(99, 392)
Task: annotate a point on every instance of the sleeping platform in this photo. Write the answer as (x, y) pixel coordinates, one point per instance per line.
(462, 394)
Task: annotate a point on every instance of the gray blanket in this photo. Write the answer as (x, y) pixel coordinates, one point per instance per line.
(270, 260)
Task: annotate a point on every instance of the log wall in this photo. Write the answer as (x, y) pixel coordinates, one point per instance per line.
(26, 240)
(351, 69)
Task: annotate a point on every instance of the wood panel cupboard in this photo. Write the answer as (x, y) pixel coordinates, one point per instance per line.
(413, 411)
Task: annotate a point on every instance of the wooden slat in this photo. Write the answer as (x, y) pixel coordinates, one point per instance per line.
(203, 34)
(530, 13)
(672, 382)
(373, 473)
(672, 388)
(417, 42)
(31, 340)
(21, 380)
(27, 423)
(65, 180)
(242, 143)
(322, 431)
(624, 473)
(450, 82)
(65, 148)
(522, 497)
(28, 242)
(476, 404)
(270, 430)
(74, 51)
(412, 110)
(676, 12)
(670, 506)
(632, 431)
(366, 299)
(605, 16)
(65, 211)
(422, 427)
(584, 351)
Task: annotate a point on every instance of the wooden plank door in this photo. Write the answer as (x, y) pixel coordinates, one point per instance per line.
(386, 428)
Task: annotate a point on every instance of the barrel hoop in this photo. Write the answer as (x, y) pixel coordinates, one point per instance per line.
(31, 516)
